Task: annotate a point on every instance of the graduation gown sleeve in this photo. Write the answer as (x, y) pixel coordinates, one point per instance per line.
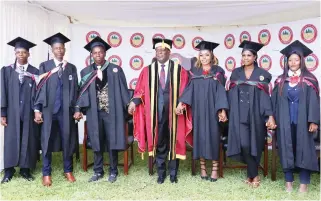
(83, 101)
(4, 88)
(314, 105)
(40, 95)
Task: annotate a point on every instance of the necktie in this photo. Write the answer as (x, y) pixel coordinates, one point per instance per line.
(21, 74)
(162, 76)
(60, 70)
(99, 73)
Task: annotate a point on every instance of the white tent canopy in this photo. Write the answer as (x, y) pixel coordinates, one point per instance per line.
(183, 13)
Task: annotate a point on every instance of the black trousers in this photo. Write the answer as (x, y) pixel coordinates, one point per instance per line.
(104, 139)
(162, 150)
(252, 166)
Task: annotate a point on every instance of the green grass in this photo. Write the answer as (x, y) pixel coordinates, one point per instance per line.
(138, 185)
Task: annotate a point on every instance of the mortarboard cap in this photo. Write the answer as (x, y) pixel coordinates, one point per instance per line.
(21, 43)
(57, 38)
(159, 42)
(249, 45)
(97, 41)
(296, 47)
(206, 45)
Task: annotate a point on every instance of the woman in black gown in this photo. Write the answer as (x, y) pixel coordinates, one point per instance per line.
(296, 104)
(250, 111)
(207, 97)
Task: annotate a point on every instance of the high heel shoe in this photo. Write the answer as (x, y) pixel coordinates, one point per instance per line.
(203, 168)
(214, 170)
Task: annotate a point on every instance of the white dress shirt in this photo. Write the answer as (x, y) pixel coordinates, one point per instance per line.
(21, 68)
(57, 62)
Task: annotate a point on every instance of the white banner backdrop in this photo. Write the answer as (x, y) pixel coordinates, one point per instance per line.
(132, 47)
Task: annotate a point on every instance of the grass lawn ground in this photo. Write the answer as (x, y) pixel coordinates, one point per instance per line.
(138, 185)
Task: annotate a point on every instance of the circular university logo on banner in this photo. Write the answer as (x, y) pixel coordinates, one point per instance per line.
(137, 40)
(230, 64)
(265, 62)
(285, 35)
(115, 60)
(178, 41)
(91, 35)
(245, 36)
(264, 36)
(132, 83)
(136, 62)
(176, 58)
(114, 39)
(312, 62)
(196, 41)
(87, 62)
(282, 60)
(229, 41)
(309, 33)
(158, 35)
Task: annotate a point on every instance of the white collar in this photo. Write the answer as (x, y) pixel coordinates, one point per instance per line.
(25, 66)
(297, 73)
(57, 62)
(166, 63)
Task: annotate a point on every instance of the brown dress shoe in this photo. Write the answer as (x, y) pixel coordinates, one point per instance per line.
(70, 177)
(46, 181)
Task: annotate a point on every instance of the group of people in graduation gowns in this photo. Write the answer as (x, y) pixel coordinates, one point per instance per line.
(171, 107)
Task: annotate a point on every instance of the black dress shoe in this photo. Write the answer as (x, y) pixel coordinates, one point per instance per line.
(96, 177)
(173, 179)
(8, 176)
(27, 176)
(6, 180)
(160, 180)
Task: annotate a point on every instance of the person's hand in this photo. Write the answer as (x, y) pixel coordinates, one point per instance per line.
(180, 109)
(38, 117)
(270, 124)
(313, 127)
(222, 117)
(4, 121)
(78, 116)
(131, 108)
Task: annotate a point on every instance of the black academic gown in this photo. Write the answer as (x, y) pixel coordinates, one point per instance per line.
(309, 111)
(50, 138)
(260, 108)
(206, 97)
(118, 99)
(20, 144)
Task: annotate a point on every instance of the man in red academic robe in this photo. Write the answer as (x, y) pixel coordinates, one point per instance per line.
(153, 107)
